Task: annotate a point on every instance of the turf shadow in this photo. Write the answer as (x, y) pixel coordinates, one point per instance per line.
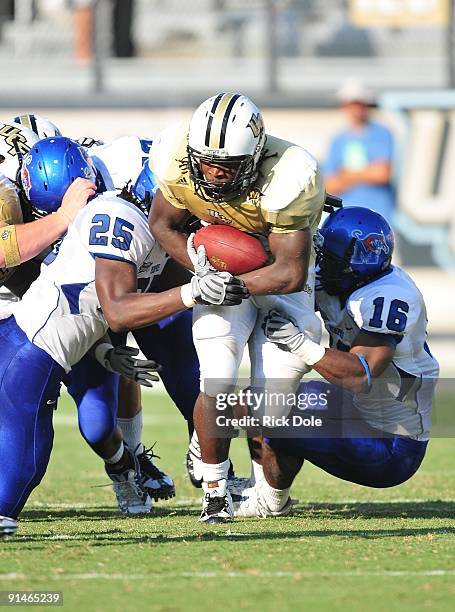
(83, 514)
(99, 514)
(116, 537)
(419, 510)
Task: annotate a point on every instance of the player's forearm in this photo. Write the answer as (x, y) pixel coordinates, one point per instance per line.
(135, 310)
(175, 247)
(33, 237)
(173, 242)
(343, 369)
(165, 222)
(276, 279)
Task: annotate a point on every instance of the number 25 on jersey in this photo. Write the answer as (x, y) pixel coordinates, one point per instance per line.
(120, 235)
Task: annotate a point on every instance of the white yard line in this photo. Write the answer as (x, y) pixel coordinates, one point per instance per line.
(251, 574)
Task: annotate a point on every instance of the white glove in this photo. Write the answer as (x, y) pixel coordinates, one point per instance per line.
(283, 330)
(120, 359)
(208, 286)
(218, 289)
(199, 259)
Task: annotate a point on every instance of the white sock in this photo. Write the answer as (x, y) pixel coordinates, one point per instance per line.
(215, 471)
(132, 432)
(116, 456)
(275, 499)
(257, 473)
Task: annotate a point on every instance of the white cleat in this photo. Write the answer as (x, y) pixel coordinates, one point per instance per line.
(217, 503)
(237, 485)
(8, 526)
(249, 502)
(132, 498)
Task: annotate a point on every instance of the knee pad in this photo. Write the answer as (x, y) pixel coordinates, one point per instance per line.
(220, 336)
(97, 422)
(95, 392)
(219, 360)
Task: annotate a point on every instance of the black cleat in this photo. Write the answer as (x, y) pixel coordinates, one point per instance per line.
(158, 484)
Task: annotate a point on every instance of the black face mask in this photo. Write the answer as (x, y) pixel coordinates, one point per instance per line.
(211, 191)
(334, 274)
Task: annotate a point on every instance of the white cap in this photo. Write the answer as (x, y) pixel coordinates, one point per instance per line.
(354, 90)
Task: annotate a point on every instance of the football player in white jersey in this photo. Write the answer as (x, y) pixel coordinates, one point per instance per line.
(375, 411)
(224, 168)
(22, 241)
(35, 235)
(45, 176)
(89, 286)
(19, 242)
(117, 163)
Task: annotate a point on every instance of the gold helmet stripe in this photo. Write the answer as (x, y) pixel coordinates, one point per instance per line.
(220, 119)
(210, 121)
(24, 120)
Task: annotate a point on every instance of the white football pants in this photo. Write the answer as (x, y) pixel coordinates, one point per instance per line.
(221, 334)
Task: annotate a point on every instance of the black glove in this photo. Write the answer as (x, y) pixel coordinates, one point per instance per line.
(121, 360)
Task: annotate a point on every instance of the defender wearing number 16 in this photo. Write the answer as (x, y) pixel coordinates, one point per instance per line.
(380, 371)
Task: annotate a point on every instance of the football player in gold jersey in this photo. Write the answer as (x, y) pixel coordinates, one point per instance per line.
(225, 169)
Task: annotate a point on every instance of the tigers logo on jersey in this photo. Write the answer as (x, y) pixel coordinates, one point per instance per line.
(368, 249)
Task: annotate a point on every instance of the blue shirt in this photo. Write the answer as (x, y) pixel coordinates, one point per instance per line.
(354, 150)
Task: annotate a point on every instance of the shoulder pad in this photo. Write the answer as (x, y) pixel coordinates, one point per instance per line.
(168, 153)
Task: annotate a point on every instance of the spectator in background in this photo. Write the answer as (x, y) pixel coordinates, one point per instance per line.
(83, 23)
(123, 44)
(359, 164)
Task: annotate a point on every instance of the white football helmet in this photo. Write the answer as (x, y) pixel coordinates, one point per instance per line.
(226, 129)
(15, 142)
(38, 124)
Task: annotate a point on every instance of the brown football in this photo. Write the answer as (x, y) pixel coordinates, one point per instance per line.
(231, 250)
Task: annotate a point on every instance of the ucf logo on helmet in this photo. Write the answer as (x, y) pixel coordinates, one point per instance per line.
(15, 140)
(256, 124)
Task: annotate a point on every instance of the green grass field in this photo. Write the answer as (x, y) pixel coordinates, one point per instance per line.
(344, 548)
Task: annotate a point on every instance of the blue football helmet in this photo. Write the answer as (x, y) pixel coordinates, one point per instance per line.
(49, 169)
(353, 246)
(145, 188)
